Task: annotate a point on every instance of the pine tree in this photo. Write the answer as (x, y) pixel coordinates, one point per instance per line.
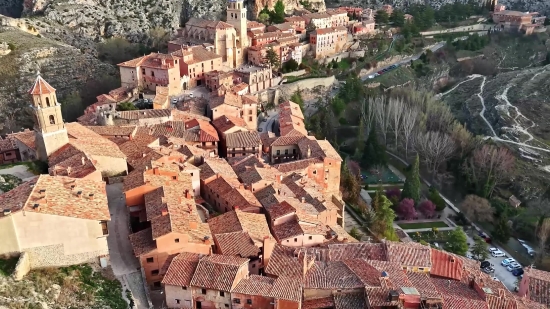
(375, 153)
(411, 189)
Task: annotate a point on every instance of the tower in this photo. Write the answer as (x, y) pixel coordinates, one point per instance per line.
(49, 129)
(236, 16)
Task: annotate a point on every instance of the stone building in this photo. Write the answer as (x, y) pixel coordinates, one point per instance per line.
(25, 143)
(215, 79)
(327, 42)
(234, 105)
(8, 151)
(150, 71)
(196, 61)
(58, 221)
(318, 20)
(338, 18)
(229, 39)
(267, 293)
(241, 144)
(257, 77)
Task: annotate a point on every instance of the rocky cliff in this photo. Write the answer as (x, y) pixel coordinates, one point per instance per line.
(65, 67)
(255, 6)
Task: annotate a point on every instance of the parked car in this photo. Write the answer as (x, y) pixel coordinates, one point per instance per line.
(174, 101)
(191, 95)
(496, 279)
(260, 129)
(517, 272)
(507, 262)
(497, 253)
(513, 266)
(485, 264)
(488, 270)
(371, 76)
(531, 252)
(380, 72)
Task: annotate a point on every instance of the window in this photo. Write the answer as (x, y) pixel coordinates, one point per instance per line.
(226, 305)
(295, 239)
(250, 112)
(278, 152)
(150, 260)
(177, 301)
(250, 118)
(104, 228)
(203, 291)
(155, 272)
(152, 73)
(52, 119)
(237, 300)
(310, 237)
(249, 301)
(222, 294)
(286, 151)
(156, 284)
(177, 240)
(314, 172)
(184, 288)
(48, 102)
(253, 265)
(174, 177)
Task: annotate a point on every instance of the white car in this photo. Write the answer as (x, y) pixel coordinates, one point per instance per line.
(371, 76)
(174, 101)
(495, 278)
(493, 249)
(531, 252)
(513, 266)
(507, 262)
(497, 253)
(191, 95)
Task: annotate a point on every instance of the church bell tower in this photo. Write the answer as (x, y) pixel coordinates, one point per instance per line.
(49, 128)
(236, 16)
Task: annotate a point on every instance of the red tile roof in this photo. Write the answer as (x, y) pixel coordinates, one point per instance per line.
(92, 143)
(237, 243)
(246, 139)
(226, 122)
(142, 242)
(60, 196)
(345, 300)
(181, 269)
(239, 221)
(539, 285)
(26, 137)
(318, 303)
(445, 265)
(409, 254)
(218, 272)
(7, 144)
(458, 295)
(41, 87)
(213, 166)
(331, 275)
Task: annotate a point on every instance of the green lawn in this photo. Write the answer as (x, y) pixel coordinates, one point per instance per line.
(344, 64)
(422, 225)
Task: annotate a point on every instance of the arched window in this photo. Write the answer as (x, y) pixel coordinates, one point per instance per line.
(52, 119)
(47, 102)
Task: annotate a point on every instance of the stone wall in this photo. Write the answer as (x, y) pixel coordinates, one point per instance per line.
(288, 89)
(340, 56)
(52, 256)
(296, 73)
(22, 267)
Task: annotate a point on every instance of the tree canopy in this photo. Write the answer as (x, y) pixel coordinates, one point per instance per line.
(457, 242)
(272, 58)
(384, 216)
(479, 249)
(381, 17)
(411, 188)
(375, 153)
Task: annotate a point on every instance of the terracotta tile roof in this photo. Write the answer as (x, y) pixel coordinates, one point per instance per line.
(524, 303)
(423, 284)
(132, 63)
(361, 250)
(291, 139)
(331, 275)
(246, 139)
(226, 122)
(395, 276)
(239, 221)
(539, 285)
(318, 148)
(58, 195)
(199, 53)
(77, 166)
(40, 86)
(207, 133)
(237, 243)
(26, 137)
(88, 119)
(195, 106)
(144, 114)
(291, 108)
(368, 274)
(458, 295)
(192, 151)
(318, 303)
(240, 164)
(445, 265)
(296, 166)
(409, 254)
(267, 138)
(284, 261)
(213, 166)
(181, 269)
(218, 272)
(280, 288)
(142, 242)
(256, 174)
(7, 144)
(204, 23)
(90, 142)
(286, 230)
(346, 300)
(254, 24)
(113, 130)
(280, 210)
(379, 297)
(289, 124)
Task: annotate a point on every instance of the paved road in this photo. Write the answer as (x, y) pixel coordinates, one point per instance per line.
(267, 126)
(123, 262)
(19, 171)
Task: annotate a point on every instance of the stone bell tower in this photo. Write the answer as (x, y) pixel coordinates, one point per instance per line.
(236, 16)
(49, 129)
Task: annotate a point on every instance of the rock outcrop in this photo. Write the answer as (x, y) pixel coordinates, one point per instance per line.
(65, 67)
(255, 6)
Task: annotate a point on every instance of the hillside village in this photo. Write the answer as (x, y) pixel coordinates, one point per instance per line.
(210, 200)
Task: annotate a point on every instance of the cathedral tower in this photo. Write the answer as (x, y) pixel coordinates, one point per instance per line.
(49, 128)
(236, 16)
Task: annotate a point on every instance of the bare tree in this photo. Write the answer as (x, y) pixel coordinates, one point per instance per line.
(477, 207)
(408, 124)
(397, 109)
(465, 140)
(382, 112)
(367, 114)
(488, 167)
(543, 233)
(434, 148)
(438, 118)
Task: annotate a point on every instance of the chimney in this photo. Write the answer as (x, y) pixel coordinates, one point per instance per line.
(308, 152)
(7, 212)
(79, 194)
(303, 199)
(188, 194)
(91, 196)
(193, 225)
(164, 212)
(241, 186)
(83, 161)
(206, 240)
(69, 170)
(279, 178)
